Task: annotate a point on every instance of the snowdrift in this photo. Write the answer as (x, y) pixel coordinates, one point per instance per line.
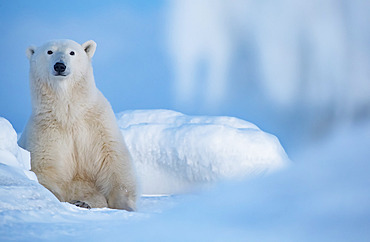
(323, 197)
(10, 153)
(174, 152)
(19, 189)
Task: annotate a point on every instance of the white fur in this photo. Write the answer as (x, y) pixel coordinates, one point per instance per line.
(77, 150)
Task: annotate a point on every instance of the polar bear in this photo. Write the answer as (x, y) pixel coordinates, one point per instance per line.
(77, 150)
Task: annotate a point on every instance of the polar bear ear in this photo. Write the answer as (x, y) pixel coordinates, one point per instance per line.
(30, 51)
(89, 47)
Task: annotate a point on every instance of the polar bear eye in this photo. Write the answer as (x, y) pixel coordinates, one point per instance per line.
(50, 52)
(72, 53)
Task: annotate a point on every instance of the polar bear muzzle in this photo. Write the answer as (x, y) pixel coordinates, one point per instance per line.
(59, 69)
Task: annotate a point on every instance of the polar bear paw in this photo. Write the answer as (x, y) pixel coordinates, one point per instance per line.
(80, 204)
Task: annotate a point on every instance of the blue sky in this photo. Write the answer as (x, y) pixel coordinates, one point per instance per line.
(311, 55)
(130, 65)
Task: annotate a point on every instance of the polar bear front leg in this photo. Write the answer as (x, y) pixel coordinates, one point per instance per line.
(120, 198)
(52, 184)
(83, 193)
(118, 184)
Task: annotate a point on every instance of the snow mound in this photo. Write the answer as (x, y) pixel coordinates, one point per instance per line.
(20, 192)
(10, 153)
(174, 152)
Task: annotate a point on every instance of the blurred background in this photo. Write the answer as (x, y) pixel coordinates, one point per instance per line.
(297, 69)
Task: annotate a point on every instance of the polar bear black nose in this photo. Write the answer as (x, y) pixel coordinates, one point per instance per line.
(59, 67)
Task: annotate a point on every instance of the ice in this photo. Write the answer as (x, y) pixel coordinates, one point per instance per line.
(173, 152)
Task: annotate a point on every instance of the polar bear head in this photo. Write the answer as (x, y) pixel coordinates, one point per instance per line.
(61, 60)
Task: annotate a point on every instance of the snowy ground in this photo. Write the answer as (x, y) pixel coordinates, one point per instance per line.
(322, 196)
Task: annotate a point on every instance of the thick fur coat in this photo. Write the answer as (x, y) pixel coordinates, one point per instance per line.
(77, 150)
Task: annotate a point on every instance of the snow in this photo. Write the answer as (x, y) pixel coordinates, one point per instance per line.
(174, 153)
(10, 153)
(322, 197)
(297, 69)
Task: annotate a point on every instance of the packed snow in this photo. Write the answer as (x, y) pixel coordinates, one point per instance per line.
(174, 152)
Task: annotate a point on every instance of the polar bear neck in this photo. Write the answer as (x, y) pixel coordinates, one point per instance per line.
(64, 101)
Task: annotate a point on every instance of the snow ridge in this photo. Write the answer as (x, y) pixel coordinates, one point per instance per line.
(172, 152)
